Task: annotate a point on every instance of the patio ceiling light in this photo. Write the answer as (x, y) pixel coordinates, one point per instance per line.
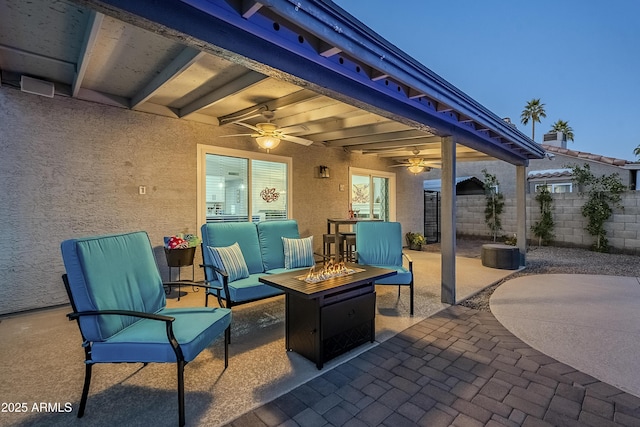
(416, 164)
(415, 169)
(267, 142)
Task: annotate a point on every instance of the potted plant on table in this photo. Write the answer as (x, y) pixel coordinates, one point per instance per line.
(415, 241)
(180, 249)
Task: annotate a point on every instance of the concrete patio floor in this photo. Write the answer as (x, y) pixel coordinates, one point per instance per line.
(590, 322)
(259, 370)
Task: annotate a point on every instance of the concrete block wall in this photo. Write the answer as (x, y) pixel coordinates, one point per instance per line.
(623, 228)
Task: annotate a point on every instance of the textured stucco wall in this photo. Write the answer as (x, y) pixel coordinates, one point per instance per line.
(71, 168)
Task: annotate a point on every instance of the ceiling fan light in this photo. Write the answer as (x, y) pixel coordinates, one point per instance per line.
(267, 142)
(415, 169)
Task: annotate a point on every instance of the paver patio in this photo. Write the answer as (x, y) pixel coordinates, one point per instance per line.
(459, 367)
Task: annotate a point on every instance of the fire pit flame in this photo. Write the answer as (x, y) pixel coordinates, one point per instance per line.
(329, 271)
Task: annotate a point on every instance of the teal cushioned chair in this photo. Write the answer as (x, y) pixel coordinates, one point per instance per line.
(118, 299)
(243, 290)
(270, 234)
(379, 244)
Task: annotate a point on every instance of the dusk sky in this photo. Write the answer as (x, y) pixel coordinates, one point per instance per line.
(581, 58)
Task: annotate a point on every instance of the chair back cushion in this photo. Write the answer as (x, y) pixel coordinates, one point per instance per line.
(116, 272)
(379, 243)
(270, 234)
(226, 234)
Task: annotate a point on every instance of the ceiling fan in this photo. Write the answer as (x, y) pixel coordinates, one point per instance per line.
(415, 164)
(268, 135)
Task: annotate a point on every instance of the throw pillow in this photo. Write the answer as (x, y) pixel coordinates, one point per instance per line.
(231, 260)
(298, 252)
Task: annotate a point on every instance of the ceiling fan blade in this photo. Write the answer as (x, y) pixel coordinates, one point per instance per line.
(247, 125)
(236, 134)
(401, 165)
(297, 140)
(293, 129)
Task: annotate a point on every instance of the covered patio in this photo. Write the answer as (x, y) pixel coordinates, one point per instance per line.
(260, 370)
(108, 104)
(137, 89)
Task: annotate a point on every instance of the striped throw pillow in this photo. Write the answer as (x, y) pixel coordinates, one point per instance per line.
(231, 260)
(298, 252)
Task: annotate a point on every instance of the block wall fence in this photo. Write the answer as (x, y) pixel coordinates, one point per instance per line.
(623, 228)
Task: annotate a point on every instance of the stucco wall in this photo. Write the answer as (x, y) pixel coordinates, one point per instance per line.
(71, 168)
(623, 228)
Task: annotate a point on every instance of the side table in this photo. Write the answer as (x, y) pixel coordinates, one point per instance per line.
(178, 258)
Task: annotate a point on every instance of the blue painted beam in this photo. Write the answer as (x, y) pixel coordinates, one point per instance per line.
(271, 48)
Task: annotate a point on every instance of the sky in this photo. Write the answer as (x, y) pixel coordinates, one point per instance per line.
(580, 57)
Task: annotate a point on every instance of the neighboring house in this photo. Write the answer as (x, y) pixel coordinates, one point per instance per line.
(553, 170)
(622, 229)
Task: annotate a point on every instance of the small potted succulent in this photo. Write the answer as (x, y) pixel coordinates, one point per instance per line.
(415, 241)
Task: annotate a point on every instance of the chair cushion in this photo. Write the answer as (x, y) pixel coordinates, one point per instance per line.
(231, 260)
(298, 252)
(112, 272)
(284, 270)
(226, 234)
(270, 235)
(250, 288)
(146, 340)
(403, 276)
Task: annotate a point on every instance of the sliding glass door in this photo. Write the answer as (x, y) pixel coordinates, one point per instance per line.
(372, 194)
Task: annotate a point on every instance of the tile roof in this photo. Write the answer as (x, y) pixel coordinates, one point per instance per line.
(585, 155)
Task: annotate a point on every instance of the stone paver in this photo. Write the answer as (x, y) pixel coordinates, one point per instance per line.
(459, 367)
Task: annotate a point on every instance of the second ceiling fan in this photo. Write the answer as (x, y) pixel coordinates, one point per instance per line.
(416, 164)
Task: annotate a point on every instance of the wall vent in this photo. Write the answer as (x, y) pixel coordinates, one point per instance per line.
(36, 87)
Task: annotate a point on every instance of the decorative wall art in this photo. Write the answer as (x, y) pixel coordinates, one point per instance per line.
(360, 193)
(269, 195)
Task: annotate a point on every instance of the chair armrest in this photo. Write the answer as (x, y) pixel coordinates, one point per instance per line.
(219, 270)
(152, 316)
(409, 260)
(141, 314)
(225, 279)
(191, 283)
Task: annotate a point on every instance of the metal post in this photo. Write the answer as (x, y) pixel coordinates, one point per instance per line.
(448, 208)
(521, 211)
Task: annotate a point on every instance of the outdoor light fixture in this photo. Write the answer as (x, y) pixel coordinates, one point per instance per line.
(268, 142)
(415, 169)
(416, 164)
(324, 171)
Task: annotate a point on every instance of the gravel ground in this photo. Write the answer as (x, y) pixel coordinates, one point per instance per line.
(555, 260)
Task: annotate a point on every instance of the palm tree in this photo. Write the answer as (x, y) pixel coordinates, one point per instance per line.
(562, 126)
(636, 150)
(534, 111)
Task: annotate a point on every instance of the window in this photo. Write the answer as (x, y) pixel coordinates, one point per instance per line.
(564, 187)
(373, 194)
(240, 186)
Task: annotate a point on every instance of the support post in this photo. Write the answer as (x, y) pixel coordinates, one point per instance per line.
(448, 209)
(521, 212)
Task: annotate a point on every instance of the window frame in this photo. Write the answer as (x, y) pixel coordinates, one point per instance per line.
(201, 169)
